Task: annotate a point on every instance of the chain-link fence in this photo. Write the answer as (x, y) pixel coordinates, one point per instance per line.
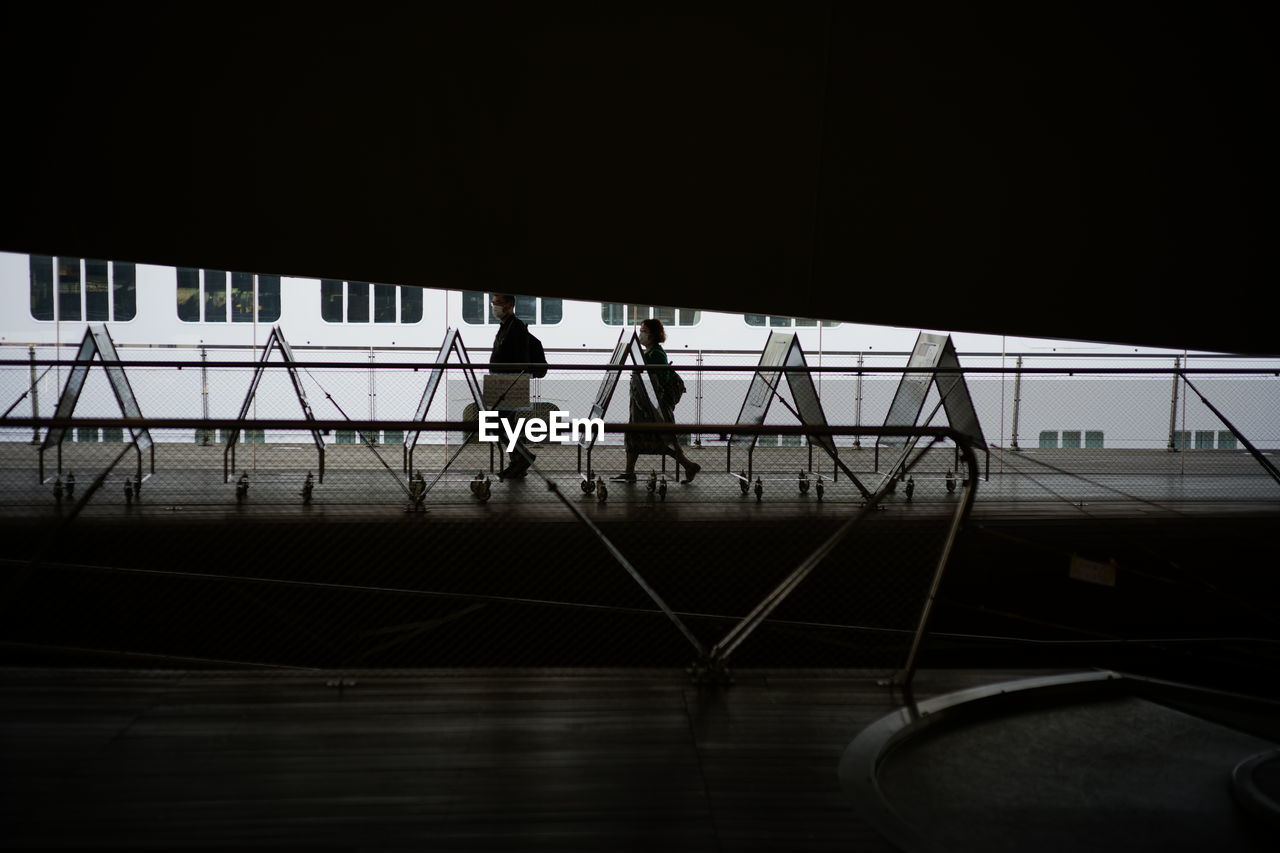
(1099, 429)
(255, 563)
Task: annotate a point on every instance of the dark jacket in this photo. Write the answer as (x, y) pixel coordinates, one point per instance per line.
(662, 379)
(511, 346)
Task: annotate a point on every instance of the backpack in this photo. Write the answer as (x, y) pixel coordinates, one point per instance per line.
(675, 389)
(537, 356)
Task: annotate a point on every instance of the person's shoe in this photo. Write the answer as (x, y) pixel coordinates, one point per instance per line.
(518, 468)
(691, 471)
(624, 478)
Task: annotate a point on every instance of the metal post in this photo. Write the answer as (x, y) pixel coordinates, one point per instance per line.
(957, 522)
(372, 439)
(35, 396)
(1182, 462)
(697, 402)
(857, 403)
(204, 393)
(1173, 406)
(1017, 401)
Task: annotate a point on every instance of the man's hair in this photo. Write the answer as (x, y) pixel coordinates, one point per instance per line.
(504, 298)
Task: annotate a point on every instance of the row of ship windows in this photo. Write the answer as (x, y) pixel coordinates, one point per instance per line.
(69, 289)
(216, 296)
(257, 436)
(1201, 439)
(1204, 440)
(1070, 438)
(82, 289)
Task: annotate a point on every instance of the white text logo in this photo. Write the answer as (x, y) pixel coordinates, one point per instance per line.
(559, 428)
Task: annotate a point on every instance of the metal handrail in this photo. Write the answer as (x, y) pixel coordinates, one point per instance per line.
(717, 351)
(597, 366)
(461, 426)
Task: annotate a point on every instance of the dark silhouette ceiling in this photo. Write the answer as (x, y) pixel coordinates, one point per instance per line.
(1077, 170)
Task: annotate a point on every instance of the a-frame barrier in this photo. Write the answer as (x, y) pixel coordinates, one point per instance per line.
(452, 344)
(97, 341)
(931, 351)
(782, 354)
(274, 340)
(626, 349)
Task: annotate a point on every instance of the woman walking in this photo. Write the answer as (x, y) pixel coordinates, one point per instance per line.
(652, 336)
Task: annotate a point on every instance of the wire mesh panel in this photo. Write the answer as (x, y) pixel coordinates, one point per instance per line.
(567, 565)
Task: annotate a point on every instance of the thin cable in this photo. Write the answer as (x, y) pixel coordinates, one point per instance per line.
(10, 644)
(20, 579)
(1100, 638)
(1082, 478)
(26, 392)
(329, 397)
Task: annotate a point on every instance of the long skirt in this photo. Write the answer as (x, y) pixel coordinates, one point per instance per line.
(641, 411)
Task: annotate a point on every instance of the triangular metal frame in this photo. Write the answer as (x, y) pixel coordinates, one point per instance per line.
(452, 344)
(783, 354)
(275, 340)
(931, 351)
(97, 341)
(714, 662)
(624, 350)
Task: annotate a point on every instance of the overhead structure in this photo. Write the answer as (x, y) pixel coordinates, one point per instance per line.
(821, 162)
(97, 342)
(275, 341)
(783, 355)
(933, 363)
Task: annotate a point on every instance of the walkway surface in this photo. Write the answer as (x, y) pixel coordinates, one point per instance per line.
(440, 760)
(587, 760)
(1044, 483)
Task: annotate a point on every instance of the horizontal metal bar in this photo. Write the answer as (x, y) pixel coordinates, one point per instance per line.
(690, 350)
(466, 426)
(597, 367)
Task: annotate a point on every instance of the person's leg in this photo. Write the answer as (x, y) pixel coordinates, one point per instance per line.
(505, 459)
(517, 463)
(691, 468)
(520, 461)
(629, 475)
(676, 452)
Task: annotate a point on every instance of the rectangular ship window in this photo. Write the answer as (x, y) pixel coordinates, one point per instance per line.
(242, 302)
(42, 287)
(268, 298)
(331, 300)
(410, 304)
(124, 292)
(357, 302)
(189, 294)
(97, 297)
(384, 303)
(68, 288)
(215, 296)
